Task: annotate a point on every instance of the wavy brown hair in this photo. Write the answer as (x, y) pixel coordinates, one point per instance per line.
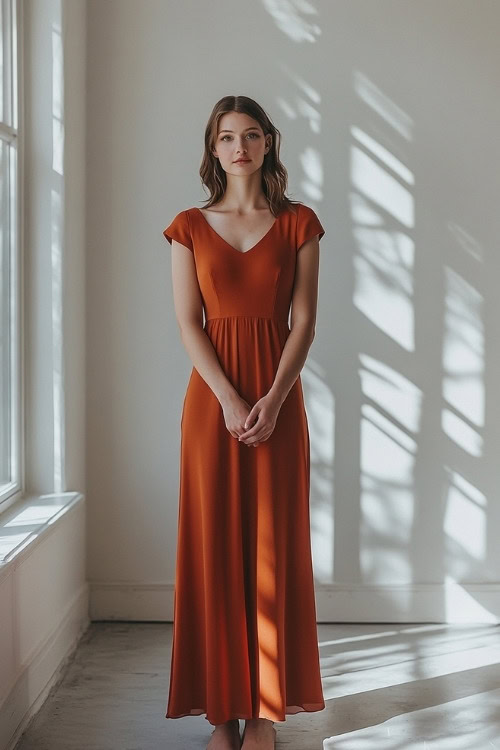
(274, 174)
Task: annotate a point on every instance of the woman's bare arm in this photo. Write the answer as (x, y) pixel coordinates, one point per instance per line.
(303, 320)
(261, 420)
(189, 313)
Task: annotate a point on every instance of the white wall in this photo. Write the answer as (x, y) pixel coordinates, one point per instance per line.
(390, 118)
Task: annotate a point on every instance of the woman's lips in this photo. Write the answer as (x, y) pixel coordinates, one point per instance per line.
(242, 161)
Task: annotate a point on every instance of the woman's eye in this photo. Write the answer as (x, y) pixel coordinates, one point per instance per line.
(255, 135)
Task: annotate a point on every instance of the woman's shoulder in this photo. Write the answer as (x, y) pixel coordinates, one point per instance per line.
(185, 214)
(303, 209)
(308, 224)
(179, 229)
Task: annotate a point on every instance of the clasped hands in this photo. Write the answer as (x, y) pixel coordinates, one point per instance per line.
(251, 425)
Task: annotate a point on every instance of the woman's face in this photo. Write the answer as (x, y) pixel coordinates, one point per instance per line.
(240, 137)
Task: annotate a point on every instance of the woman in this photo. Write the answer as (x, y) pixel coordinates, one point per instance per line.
(244, 638)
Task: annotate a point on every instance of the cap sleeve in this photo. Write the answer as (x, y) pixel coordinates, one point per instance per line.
(308, 225)
(180, 230)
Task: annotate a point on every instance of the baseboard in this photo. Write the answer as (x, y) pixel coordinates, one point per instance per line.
(43, 671)
(448, 602)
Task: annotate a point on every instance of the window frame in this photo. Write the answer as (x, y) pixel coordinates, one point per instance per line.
(11, 130)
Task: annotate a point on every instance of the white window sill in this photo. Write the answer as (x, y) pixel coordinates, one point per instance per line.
(28, 521)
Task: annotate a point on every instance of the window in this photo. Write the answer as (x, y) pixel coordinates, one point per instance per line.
(10, 287)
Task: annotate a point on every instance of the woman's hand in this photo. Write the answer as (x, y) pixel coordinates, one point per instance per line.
(235, 411)
(261, 421)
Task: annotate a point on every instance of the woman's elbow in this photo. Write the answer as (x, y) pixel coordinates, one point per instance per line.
(308, 326)
(189, 323)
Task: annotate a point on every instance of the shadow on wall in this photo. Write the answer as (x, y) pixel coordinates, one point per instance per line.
(404, 472)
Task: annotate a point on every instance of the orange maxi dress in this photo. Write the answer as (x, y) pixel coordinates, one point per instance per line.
(244, 635)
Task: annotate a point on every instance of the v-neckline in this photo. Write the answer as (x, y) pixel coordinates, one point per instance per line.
(240, 252)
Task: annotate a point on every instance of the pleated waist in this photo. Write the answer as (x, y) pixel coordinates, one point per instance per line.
(266, 331)
(247, 317)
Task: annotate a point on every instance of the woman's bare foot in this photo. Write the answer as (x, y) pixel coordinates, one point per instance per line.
(225, 736)
(259, 734)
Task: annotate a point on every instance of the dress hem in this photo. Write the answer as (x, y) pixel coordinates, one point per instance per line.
(289, 711)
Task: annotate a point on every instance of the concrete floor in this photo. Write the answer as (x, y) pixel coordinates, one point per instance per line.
(387, 687)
